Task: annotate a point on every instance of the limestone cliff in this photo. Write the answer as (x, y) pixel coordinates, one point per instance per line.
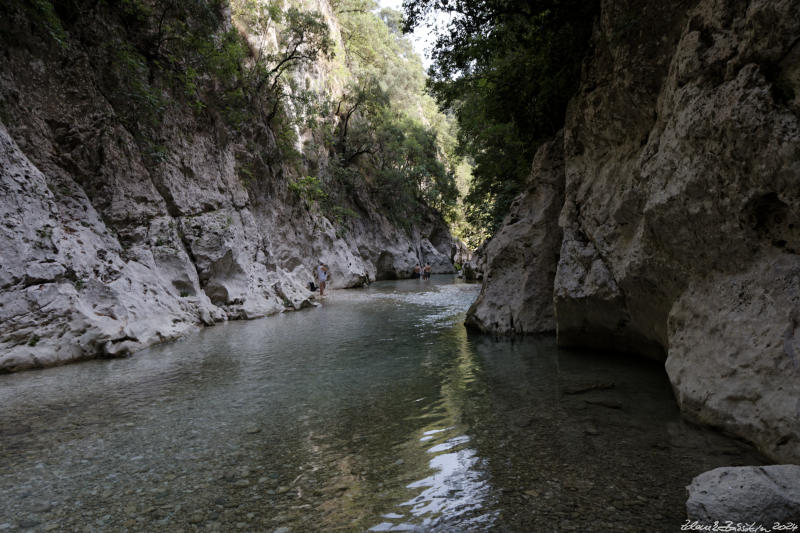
(681, 210)
(521, 259)
(107, 247)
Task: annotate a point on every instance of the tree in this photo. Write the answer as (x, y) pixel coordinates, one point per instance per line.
(357, 114)
(303, 37)
(506, 70)
(386, 126)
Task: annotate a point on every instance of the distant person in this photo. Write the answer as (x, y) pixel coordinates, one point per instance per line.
(322, 277)
(416, 273)
(426, 272)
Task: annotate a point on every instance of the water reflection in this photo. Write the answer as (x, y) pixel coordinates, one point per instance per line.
(375, 412)
(456, 489)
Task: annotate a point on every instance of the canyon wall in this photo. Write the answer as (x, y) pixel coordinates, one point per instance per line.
(521, 259)
(679, 232)
(106, 248)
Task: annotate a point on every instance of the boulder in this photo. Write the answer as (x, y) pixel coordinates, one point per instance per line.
(746, 494)
(460, 253)
(734, 353)
(441, 263)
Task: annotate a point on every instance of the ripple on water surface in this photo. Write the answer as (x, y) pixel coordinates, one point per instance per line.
(375, 412)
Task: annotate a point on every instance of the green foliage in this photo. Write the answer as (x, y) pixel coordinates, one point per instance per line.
(506, 70)
(162, 55)
(410, 165)
(386, 125)
(304, 38)
(44, 15)
(311, 190)
(221, 58)
(156, 57)
(308, 188)
(140, 105)
(339, 214)
(255, 14)
(161, 59)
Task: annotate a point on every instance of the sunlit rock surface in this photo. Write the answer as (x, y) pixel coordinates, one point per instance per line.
(69, 289)
(106, 247)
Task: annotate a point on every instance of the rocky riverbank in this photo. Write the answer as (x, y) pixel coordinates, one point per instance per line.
(678, 232)
(110, 243)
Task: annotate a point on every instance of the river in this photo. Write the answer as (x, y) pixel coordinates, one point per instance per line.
(375, 412)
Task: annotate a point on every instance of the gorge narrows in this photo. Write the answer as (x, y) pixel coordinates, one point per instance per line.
(218, 219)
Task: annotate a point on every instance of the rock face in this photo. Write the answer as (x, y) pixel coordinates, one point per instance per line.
(67, 292)
(104, 252)
(521, 259)
(681, 212)
(747, 494)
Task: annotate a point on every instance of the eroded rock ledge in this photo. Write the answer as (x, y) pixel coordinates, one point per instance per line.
(679, 231)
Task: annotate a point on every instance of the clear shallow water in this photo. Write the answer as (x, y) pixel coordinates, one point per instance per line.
(376, 412)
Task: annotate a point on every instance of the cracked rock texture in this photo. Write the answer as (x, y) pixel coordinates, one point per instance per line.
(681, 215)
(102, 254)
(746, 494)
(521, 259)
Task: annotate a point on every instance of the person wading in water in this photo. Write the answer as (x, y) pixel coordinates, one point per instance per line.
(322, 277)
